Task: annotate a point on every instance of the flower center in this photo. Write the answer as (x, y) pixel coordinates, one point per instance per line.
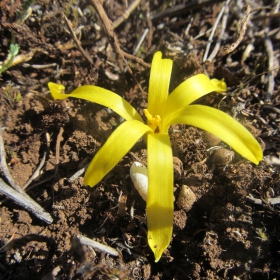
(153, 122)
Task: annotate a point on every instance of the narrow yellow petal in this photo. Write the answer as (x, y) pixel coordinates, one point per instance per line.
(220, 84)
(160, 193)
(114, 149)
(159, 84)
(189, 91)
(57, 90)
(225, 127)
(98, 95)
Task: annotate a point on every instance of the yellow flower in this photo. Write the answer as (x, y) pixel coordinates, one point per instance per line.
(163, 110)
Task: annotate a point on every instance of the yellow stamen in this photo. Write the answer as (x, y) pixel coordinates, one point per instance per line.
(153, 122)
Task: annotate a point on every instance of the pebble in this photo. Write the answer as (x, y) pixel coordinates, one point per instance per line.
(186, 198)
(210, 140)
(223, 157)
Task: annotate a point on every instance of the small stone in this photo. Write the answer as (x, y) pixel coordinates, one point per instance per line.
(210, 140)
(186, 198)
(223, 157)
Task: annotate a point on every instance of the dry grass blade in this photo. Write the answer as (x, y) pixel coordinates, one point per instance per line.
(4, 166)
(126, 13)
(86, 56)
(214, 30)
(96, 245)
(26, 202)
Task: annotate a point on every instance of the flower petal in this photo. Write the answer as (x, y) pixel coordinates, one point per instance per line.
(159, 84)
(189, 91)
(160, 193)
(114, 149)
(225, 127)
(98, 95)
(219, 83)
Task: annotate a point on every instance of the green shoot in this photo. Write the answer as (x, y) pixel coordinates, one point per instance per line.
(14, 49)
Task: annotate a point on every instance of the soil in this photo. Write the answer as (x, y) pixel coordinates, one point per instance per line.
(222, 233)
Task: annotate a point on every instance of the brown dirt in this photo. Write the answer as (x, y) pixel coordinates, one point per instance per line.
(223, 235)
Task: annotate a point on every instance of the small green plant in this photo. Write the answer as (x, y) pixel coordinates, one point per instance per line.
(11, 95)
(26, 11)
(163, 110)
(14, 49)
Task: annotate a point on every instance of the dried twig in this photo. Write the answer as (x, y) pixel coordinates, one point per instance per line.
(141, 41)
(247, 52)
(37, 171)
(86, 56)
(187, 30)
(57, 148)
(150, 26)
(4, 166)
(269, 50)
(15, 192)
(202, 34)
(113, 39)
(27, 56)
(243, 26)
(25, 201)
(42, 162)
(266, 16)
(77, 174)
(131, 212)
(40, 66)
(40, 183)
(254, 200)
(214, 30)
(272, 108)
(272, 201)
(135, 58)
(221, 34)
(109, 250)
(126, 13)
